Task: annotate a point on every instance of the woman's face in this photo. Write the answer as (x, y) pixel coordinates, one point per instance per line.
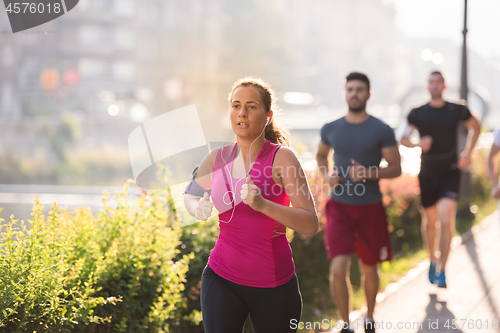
(247, 112)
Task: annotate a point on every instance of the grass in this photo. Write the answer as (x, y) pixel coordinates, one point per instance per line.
(390, 272)
(465, 221)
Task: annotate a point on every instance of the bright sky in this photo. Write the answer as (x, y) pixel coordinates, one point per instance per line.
(444, 19)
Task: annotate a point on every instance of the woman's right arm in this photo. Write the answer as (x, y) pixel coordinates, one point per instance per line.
(195, 205)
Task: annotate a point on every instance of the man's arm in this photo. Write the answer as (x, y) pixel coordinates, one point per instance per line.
(405, 139)
(474, 128)
(359, 172)
(322, 157)
(424, 143)
(330, 178)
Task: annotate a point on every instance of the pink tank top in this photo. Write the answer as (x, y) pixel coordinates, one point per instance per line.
(252, 249)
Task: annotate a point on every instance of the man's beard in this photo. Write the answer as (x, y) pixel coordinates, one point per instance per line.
(357, 109)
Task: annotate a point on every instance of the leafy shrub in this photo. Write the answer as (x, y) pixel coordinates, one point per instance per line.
(138, 246)
(199, 239)
(400, 197)
(118, 272)
(39, 288)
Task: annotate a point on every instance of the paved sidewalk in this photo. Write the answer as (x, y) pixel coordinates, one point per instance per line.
(472, 298)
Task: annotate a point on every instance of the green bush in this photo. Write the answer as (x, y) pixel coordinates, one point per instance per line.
(120, 271)
(402, 204)
(39, 288)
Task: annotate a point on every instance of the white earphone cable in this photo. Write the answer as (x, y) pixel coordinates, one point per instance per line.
(230, 175)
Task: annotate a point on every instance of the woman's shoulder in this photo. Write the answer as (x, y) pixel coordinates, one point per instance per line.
(213, 153)
(223, 153)
(209, 159)
(285, 156)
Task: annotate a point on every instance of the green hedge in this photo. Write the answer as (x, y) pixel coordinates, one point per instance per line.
(120, 271)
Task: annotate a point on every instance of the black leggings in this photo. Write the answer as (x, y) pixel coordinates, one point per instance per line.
(225, 305)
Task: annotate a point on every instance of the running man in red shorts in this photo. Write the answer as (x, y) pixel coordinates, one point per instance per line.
(356, 219)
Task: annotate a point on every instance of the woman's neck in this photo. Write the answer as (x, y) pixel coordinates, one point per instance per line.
(254, 150)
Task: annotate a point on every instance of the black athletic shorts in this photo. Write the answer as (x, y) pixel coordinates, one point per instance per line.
(437, 184)
(226, 305)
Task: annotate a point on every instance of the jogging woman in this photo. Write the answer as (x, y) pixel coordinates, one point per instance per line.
(252, 182)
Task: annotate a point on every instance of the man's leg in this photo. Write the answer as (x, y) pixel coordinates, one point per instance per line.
(340, 284)
(447, 213)
(370, 283)
(429, 219)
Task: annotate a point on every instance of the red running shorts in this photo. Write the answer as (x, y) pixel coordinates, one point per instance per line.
(360, 229)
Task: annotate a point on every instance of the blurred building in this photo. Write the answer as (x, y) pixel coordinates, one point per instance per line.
(157, 53)
(114, 64)
(111, 65)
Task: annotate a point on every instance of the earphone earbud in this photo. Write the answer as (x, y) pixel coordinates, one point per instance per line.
(268, 120)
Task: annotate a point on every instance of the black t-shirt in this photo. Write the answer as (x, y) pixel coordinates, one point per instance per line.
(442, 125)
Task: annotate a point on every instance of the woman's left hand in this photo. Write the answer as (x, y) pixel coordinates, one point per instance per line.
(250, 194)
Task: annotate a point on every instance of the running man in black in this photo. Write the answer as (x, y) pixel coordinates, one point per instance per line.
(437, 123)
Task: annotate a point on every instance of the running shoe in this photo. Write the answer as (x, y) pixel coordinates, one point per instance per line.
(442, 280)
(432, 273)
(370, 326)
